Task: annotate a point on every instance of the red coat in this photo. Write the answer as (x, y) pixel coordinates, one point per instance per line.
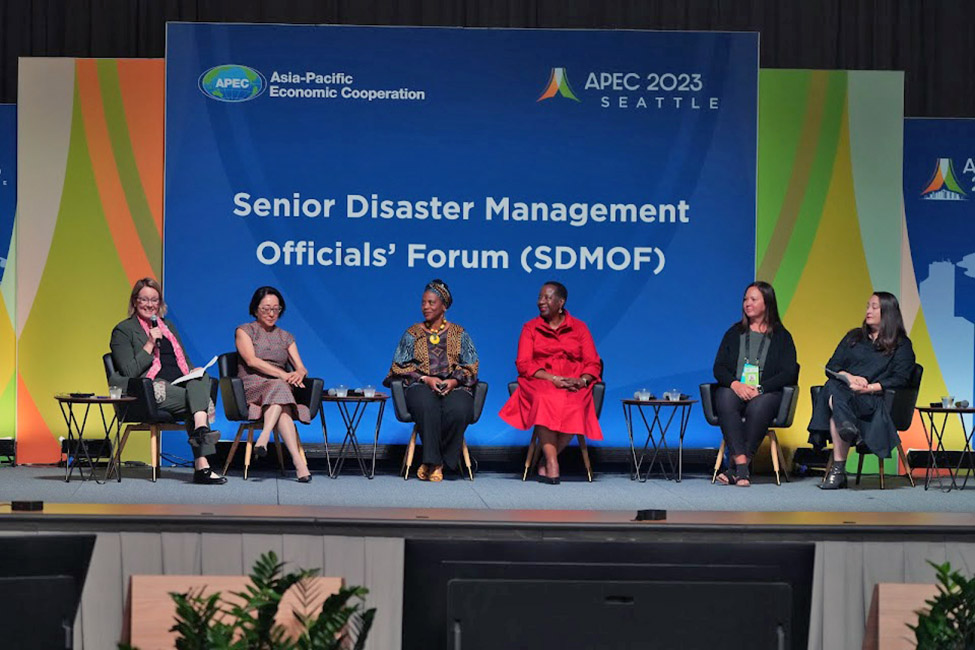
(568, 351)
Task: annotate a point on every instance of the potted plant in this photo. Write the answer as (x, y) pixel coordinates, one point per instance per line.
(212, 623)
(949, 621)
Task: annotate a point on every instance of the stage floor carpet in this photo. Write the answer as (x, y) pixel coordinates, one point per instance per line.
(489, 491)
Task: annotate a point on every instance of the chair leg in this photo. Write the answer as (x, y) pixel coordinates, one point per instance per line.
(280, 452)
(881, 468)
(121, 446)
(717, 461)
(233, 448)
(774, 444)
(785, 466)
(154, 450)
(467, 460)
(907, 465)
(778, 461)
(248, 450)
(529, 457)
(859, 467)
(410, 450)
(585, 455)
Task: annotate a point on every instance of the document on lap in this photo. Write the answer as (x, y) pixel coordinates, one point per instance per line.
(195, 373)
(836, 375)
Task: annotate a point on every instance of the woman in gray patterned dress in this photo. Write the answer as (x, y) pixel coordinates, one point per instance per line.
(265, 349)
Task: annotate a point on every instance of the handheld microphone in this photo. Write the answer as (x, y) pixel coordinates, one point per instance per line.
(154, 322)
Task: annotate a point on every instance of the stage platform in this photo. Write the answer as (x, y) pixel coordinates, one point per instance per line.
(362, 530)
(493, 505)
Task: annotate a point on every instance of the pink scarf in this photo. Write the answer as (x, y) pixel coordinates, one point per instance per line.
(156, 363)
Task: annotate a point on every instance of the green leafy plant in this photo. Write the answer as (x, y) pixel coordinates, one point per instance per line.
(949, 621)
(212, 623)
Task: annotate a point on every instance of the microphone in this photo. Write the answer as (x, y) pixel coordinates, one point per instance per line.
(154, 322)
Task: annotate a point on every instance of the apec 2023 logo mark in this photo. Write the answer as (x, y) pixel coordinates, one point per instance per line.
(232, 83)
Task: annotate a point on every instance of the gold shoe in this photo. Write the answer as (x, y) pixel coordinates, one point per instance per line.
(423, 472)
(437, 474)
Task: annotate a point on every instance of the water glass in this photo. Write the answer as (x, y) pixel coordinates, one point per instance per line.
(947, 401)
(672, 395)
(341, 390)
(114, 392)
(643, 395)
(369, 391)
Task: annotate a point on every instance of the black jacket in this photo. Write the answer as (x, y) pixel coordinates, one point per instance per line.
(781, 368)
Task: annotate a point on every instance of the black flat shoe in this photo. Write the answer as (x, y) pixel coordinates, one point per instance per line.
(305, 479)
(836, 478)
(260, 451)
(207, 477)
(548, 480)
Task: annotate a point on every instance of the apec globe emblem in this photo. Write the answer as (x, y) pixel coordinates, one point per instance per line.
(232, 83)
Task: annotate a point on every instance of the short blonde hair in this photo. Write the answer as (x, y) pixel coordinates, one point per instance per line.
(139, 286)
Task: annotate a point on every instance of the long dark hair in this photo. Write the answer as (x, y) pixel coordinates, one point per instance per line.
(771, 319)
(891, 329)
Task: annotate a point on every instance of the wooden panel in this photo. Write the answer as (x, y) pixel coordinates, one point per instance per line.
(152, 611)
(894, 606)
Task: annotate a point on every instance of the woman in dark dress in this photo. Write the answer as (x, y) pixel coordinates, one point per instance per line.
(438, 363)
(265, 350)
(755, 361)
(869, 360)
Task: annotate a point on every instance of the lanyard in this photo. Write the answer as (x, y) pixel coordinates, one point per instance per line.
(761, 346)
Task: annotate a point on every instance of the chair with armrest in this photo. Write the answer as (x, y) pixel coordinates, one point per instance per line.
(900, 403)
(235, 409)
(782, 420)
(398, 393)
(144, 415)
(598, 394)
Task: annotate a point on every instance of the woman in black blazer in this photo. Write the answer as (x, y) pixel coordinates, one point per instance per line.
(755, 361)
(147, 345)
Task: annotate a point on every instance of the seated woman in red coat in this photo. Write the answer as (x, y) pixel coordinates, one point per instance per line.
(557, 366)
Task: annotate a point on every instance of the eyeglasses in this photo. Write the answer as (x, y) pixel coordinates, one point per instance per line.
(147, 301)
(269, 310)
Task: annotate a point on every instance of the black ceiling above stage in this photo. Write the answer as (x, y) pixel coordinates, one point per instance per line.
(933, 41)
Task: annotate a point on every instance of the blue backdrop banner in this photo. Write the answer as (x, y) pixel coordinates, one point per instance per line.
(8, 180)
(348, 166)
(939, 203)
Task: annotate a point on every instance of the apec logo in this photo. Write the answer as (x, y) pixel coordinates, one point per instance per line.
(558, 83)
(232, 83)
(943, 185)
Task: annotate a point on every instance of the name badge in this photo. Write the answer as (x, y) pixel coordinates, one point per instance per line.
(749, 374)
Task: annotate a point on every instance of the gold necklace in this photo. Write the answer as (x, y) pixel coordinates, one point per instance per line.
(434, 337)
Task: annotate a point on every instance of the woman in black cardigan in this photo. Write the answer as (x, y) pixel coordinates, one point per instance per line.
(755, 361)
(870, 359)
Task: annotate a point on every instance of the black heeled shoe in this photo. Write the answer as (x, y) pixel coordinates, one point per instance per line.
(547, 480)
(206, 476)
(260, 451)
(836, 477)
(305, 479)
